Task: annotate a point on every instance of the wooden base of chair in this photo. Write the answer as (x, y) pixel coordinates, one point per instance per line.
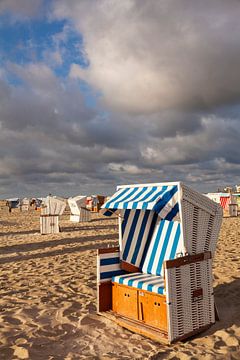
(139, 311)
(150, 332)
(137, 327)
(147, 307)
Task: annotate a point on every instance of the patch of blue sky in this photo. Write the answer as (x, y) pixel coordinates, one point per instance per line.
(35, 40)
(55, 43)
(91, 97)
(13, 79)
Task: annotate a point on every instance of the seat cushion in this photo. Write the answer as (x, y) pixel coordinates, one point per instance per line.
(141, 281)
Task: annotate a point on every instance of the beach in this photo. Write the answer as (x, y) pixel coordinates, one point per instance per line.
(48, 295)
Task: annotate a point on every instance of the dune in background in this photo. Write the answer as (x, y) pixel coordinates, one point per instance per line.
(48, 296)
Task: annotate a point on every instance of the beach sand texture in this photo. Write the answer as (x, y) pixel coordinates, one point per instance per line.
(48, 296)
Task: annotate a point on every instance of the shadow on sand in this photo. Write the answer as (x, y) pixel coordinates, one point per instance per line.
(63, 229)
(83, 245)
(227, 297)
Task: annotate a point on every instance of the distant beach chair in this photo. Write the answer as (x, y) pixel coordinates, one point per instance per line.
(79, 213)
(94, 202)
(37, 203)
(13, 203)
(52, 208)
(24, 204)
(228, 201)
(158, 282)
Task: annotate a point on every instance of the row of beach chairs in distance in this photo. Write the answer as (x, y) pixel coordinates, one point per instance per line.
(54, 207)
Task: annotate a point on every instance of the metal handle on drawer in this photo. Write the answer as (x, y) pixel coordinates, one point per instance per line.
(141, 311)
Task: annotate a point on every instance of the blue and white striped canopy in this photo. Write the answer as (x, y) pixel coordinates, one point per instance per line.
(163, 200)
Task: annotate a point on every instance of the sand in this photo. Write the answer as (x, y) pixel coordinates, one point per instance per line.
(48, 296)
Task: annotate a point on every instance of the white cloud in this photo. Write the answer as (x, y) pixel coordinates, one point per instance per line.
(146, 56)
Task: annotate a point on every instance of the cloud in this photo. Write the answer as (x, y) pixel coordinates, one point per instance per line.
(21, 8)
(146, 56)
(157, 99)
(51, 141)
(49, 136)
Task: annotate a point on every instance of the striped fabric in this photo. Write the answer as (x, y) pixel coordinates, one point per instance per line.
(161, 199)
(165, 244)
(141, 281)
(108, 266)
(224, 202)
(136, 232)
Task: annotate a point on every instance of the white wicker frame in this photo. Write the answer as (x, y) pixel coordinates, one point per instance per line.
(187, 314)
(84, 216)
(49, 224)
(201, 221)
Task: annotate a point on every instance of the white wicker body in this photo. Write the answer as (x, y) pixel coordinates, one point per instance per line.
(233, 210)
(53, 206)
(186, 313)
(79, 213)
(201, 221)
(85, 215)
(24, 204)
(49, 224)
(24, 207)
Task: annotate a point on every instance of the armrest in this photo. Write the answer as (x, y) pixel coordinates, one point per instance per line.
(188, 259)
(108, 264)
(108, 250)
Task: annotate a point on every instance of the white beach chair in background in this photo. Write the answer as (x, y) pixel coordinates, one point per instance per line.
(79, 213)
(52, 208)
(94, 202)
(158, 282)
(24, 204)
(228, 201)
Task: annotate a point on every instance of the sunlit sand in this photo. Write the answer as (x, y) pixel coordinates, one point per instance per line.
(48, 295)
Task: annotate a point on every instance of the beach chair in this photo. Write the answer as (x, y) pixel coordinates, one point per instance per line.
(52, 208)
(24, 204)
(94, 202)
(13, 203)
(233, 206)
(158, 281)
(79, 213)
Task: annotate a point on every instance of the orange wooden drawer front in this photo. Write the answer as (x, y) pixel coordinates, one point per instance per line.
(152, 310)
(125, 301)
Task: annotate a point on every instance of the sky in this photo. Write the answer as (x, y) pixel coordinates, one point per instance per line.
(97, 93)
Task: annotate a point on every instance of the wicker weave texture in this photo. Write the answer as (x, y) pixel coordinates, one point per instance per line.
(24, 207)
(199, 200)
(85, 215)
(186, 312)
(201, 219)
(49, 224)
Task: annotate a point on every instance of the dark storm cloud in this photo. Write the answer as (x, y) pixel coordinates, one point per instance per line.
(173, 123)
(50, 140)
(47, 132)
